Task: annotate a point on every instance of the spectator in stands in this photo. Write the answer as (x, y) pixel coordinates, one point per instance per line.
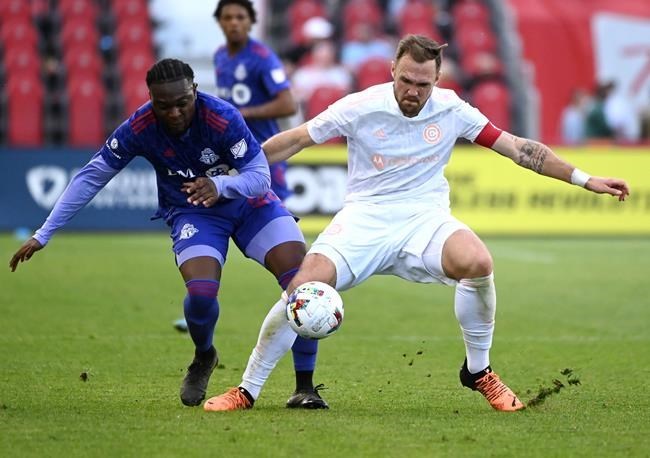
(323, 70)
(365, 45)
(621, 116)
(314, 30)
(596, 125)
(574, 117)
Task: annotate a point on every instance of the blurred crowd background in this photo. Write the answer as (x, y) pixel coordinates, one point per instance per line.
(564, 72)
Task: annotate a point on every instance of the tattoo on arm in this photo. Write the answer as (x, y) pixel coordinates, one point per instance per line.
(532, 155)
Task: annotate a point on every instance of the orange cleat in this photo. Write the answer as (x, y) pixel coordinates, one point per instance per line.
(233, 399)
(498, 394)
(490, 385)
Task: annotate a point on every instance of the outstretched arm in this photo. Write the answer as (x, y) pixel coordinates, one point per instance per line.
(82, 188)
(541, 159)
(282, 105)
(282, 146)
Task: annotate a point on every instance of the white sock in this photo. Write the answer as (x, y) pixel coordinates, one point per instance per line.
(275, 339)
(475, 306)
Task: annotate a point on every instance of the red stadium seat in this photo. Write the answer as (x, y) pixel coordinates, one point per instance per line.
(25, 111)
(18, 33)
(135, 93)
(133, 32)
(135, 62)
(86, 117)
(14, 11)
(493, 100)
(299, 12)
(373, 71)
(79, 30)
(472, 39)
(130, 9)
(417, 16)
(470, 12)
(82, 60)
(366, 11)
(22, 60)
(85, 9)
(322, 98)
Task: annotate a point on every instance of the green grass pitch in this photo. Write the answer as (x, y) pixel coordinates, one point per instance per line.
(91, 366)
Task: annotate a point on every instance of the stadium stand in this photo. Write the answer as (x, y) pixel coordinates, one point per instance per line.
(71, 69)
(372, 71)
(493, 99)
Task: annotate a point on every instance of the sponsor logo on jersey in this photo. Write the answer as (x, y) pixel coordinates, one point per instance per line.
(208, 156)
(278, 75)
(188, 231)
(241, 94)
(240, 72)
(221, 169)
(188, 173)
(432, 134)
(114, 143)
(378, 161)
(239, 149)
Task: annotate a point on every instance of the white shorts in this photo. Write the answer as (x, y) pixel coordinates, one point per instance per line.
(369, 239)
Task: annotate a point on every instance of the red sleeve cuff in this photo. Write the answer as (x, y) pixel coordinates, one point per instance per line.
(488, 135)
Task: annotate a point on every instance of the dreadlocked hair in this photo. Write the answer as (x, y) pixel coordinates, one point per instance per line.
(168, 70)
(246, 4)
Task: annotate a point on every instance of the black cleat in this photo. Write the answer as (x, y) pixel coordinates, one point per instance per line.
(308, 399)
(198, 375)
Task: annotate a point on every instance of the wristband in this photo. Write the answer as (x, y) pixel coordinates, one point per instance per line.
(579, 178)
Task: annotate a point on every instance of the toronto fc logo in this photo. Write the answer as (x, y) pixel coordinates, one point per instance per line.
(432, 134)
(208, 156)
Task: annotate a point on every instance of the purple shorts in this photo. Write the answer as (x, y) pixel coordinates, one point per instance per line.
(255, 225)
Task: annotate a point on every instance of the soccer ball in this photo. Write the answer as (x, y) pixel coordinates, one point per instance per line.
(315, 310)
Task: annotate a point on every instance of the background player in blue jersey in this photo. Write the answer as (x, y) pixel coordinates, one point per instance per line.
(194, 141)
(250, 76)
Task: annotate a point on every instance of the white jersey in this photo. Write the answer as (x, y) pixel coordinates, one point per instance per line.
(393, 158)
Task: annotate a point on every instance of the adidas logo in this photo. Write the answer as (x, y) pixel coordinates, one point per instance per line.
(379, 133)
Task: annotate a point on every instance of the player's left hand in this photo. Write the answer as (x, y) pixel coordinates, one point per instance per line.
(613, 186)
(25, 252)
(202, 191)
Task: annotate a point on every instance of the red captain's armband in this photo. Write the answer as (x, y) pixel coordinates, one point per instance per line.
(488, 135)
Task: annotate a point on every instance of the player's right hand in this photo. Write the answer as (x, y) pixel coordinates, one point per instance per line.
(612, 186)
(25, 252)
(202, 191)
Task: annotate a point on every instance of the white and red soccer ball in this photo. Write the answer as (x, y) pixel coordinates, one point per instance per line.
(315, 310)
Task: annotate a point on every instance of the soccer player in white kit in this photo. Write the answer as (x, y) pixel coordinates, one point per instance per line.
(396, 219)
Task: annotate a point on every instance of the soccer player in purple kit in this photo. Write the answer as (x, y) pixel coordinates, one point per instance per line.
(196, 143)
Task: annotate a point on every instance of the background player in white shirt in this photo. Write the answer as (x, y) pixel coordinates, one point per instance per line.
(396, 219)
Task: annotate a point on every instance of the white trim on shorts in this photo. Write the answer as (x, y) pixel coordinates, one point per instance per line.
(196, 251)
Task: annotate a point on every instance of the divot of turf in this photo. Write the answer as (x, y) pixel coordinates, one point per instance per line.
(546, 391)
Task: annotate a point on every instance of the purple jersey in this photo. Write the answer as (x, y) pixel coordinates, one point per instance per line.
(216, 142)
(252, 77)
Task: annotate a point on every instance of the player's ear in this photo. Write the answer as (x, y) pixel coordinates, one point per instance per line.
(392, 69)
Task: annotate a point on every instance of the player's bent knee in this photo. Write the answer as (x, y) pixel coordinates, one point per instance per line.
(315, 267)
